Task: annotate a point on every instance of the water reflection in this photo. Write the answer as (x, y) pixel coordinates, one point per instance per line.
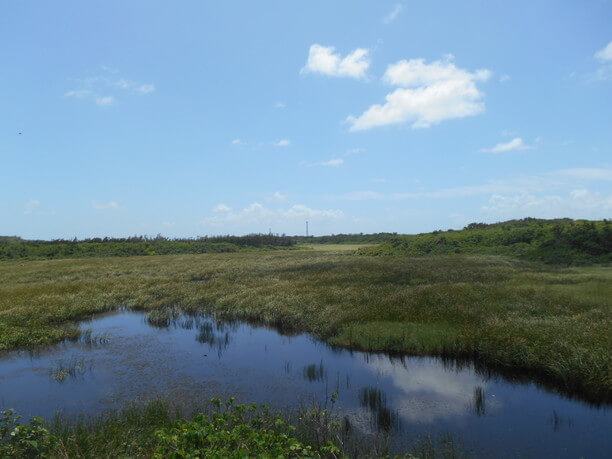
(376, 401)
(314, 372)
(479, 401)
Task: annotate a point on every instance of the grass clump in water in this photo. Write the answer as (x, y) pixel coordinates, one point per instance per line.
(68, 369)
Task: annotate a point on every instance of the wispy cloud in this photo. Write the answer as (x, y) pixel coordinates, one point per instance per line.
(585, 173)
(280, 105)
(331, 163)
(110, 205)
(279, 196)
(533, 184)
(353, 151)
(222, 208)
(105, 101)
(393, 14)
(31, 206)
(515, 144)
(325, 61)
(256, 215)
(605, 54)
(579, 203)
(238, 142)
(604, 72)
(104, 90)
(282, 143)
(427, 94)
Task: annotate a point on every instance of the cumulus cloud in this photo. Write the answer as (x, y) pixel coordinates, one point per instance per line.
(282, 143)
(393, 14)
(427, 94)
(279, 196)
(324, 60)
(515, 144)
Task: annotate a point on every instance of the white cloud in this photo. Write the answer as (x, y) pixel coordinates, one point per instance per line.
(393, 14)
(237, 142)
(97, 88)
(145, 88)
(31, 206)
(353, 151)
(428, 94)
(280, 105)
(279, 196)
(605, 54)
(585, 173)
(257, 217)
(110, 205)
(78, 93)
(552, 183)
(378, 180)
(604, 72)
(579, 203)
(323, 60)
(504, 78)
(330, 163)
(222, 208)
(515, 144)
(105, 101)
(282, 143)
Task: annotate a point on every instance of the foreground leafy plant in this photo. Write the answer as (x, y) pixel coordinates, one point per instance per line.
(235, 431)
(24, 440)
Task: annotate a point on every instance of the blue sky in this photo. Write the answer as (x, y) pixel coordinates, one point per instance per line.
(191, 118)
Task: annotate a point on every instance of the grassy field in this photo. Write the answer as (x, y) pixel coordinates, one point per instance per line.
(550, 322)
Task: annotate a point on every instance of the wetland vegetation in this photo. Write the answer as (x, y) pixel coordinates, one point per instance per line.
(517, 296)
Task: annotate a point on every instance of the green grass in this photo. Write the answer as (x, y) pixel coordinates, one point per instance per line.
(552, 323)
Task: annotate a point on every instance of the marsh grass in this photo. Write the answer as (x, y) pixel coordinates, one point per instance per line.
(65, 369)
(548, 322)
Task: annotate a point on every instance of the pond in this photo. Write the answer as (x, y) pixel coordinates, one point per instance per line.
(122, 356)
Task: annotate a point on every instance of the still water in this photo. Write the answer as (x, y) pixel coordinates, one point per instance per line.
(126, 358)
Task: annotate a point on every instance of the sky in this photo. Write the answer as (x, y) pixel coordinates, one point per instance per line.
(199, 118)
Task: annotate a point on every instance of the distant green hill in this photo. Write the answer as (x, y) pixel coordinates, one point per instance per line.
(560, 241)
